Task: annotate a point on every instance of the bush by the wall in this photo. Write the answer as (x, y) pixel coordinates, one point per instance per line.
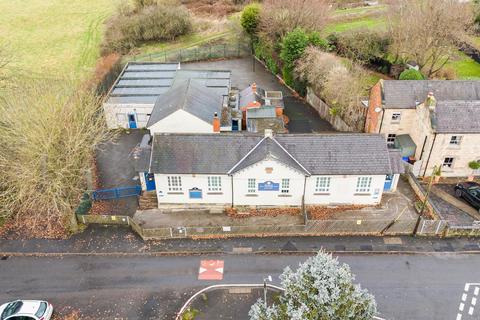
(411, 74)
(159, 22)
(250, 18)
(265, 53)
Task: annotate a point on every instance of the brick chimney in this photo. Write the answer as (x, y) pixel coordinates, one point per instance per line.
(216, 123)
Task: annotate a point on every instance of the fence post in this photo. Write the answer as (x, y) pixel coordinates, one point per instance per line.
(224, 50)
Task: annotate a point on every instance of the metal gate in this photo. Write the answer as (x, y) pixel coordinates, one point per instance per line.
(116, 193)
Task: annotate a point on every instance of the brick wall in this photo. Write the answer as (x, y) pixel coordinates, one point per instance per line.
(375, 100)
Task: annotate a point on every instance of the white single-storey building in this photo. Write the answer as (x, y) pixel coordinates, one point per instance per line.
(188, 170)
(138, 91)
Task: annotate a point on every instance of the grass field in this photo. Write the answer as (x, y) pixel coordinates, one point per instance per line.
(465, 67)
(46, 38)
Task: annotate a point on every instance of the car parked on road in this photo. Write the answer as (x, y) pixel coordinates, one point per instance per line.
(470, 191)
(26, 310)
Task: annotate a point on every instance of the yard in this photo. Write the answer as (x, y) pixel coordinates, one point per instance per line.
(47, 38)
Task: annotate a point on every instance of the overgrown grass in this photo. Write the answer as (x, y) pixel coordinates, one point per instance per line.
(359, 10)
(50, 37)
(465, 67)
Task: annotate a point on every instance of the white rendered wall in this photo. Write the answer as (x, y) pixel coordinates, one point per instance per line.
(342, 191)
(113, 122)
(190, 181)
(181, 122)
(259, 171)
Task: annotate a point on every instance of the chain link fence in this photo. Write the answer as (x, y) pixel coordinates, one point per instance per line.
(199, 53)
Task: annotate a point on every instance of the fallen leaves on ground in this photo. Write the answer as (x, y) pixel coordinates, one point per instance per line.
(325, 212)
(266, 212)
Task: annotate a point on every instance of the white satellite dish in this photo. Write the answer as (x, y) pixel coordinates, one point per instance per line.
(378, 109)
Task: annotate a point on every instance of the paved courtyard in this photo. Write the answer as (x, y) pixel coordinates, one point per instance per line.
(303, 118)
(115, 169)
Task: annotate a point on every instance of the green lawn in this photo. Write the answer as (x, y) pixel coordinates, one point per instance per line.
(366, 22)
(465, 67)
(52, 37)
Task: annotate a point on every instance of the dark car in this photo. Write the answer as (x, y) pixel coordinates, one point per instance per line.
(470, 191)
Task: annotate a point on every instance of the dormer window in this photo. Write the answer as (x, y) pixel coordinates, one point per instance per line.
(455, 140)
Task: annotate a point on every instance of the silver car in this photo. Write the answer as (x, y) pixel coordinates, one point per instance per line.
(26, 310)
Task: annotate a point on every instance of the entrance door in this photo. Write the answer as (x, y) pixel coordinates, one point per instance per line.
(132, 123)
(234, 124)
(150, 181)
(388, 182)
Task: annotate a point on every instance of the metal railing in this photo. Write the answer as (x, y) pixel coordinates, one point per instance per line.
(116, 193)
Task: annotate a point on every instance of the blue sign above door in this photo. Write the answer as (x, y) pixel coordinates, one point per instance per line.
(268, 186)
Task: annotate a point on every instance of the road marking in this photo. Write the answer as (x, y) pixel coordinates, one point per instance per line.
(464, 298)
(470, 311)
(211, 270)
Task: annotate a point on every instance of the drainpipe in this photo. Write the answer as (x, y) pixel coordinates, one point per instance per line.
(381, 121)
(303, 201)
(423, 147)
(430, 154)
(232, 189)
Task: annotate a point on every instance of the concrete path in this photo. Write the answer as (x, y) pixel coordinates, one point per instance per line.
(405, 286)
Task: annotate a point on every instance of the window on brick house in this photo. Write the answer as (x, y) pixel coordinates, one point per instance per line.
(448, 162)
(455, 140)
(174, 183)
(391, 140)
(396, 116)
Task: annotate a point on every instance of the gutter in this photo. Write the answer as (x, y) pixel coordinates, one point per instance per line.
(430, 154)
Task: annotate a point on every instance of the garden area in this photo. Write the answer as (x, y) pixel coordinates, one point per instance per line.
(339, 53)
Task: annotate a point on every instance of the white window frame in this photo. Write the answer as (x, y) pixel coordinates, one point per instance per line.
(391, 137)
(455, 140)
(174, 183)
(251, 185)
(396, 117)
(214, 183)
(322, 184)
(285, 187)
(364, 185)
(448, 164)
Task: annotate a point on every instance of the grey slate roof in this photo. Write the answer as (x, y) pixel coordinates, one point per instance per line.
(457, 117)
(332, 154)
(189, 95)
(320, 154)
(199, 153)
(144, 82)
(405, 94)
(268, 149)
(396, 161)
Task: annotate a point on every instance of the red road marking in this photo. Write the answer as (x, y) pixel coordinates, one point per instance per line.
(211, 270)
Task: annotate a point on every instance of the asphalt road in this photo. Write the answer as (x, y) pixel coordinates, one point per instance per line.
(141, 287)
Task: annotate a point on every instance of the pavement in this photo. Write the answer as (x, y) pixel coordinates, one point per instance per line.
(303, 118)
(122, 241)
(438, 286)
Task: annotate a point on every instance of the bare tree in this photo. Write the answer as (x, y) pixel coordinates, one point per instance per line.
(282, 16)
(427, 31)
